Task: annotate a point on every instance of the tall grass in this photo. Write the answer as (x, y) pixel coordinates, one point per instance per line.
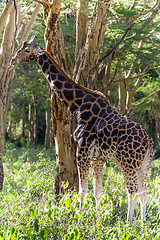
(28, 208)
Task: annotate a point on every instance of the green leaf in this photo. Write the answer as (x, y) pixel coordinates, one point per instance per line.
(49, 213)
(36, 226)
(67, 203)
(120, 201)
(12, 230)
(33, 212)
(41, 234)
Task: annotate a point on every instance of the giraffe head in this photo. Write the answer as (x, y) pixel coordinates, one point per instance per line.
(29, 51)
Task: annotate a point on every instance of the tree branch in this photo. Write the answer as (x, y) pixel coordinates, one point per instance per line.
(157, 72)
(27, 9)
(129, 78)
(43, 2)
(137, 104)
(113, 50)
(15, 31)
(22, 88)
(30, 23)
(131, 24)
(5, 13)
(144, 13)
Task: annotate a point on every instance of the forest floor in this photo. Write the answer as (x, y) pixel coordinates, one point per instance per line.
(28, 208)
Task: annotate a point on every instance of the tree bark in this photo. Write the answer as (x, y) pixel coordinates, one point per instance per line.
(23, 119)
(85, 70)
(81, 27)
(30, 118)
(61, 118)
(35, 121)
(63, 129)
(1, 144)
(5, 13)
(48, 125)
(6, 51)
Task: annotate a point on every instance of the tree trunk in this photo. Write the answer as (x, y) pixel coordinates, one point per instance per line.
(1, 144)
(7, 25)
(23, 119)
(61, 118)
(48, 125)
(122, 93)
(6, 50)
(30, 119)
(35, 121)
(85, 71)
(63, 129)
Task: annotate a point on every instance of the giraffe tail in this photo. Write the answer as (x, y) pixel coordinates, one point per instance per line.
(157, 154)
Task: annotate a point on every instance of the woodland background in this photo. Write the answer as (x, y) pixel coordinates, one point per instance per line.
(117, 53)
(131, 83)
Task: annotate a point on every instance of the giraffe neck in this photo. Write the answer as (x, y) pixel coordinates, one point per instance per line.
(72, 94)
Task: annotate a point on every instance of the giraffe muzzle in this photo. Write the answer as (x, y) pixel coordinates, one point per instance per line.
(13, 62)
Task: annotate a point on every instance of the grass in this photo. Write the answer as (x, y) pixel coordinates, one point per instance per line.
(28, 208)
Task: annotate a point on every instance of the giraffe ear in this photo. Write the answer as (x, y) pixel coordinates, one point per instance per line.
(24, 45)
(33, 39)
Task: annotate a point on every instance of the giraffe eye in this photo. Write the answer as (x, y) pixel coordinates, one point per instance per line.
(27, 51)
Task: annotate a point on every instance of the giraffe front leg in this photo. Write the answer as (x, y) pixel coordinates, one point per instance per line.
(97, 167)
(83, 172)
(83, 184)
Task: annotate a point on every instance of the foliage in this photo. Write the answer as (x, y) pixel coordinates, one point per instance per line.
(139, 49)
(29, 209)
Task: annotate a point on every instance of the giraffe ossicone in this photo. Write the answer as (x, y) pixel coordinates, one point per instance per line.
(101, 135)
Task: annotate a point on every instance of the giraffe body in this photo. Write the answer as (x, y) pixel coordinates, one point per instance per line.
(101, 135)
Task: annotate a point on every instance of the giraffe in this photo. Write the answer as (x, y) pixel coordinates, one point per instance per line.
(101, 135)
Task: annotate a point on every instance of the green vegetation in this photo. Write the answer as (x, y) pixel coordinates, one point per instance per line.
(28, 205)
(28, 208)
(138, 51)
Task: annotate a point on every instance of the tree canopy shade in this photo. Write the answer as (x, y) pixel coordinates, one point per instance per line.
(136, 55)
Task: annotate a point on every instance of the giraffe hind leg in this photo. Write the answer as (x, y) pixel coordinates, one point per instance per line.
(138, 190)
(131, 205)
(136, 186)
(97, 167)
(131, 180)
(142, 177)
(142, 195)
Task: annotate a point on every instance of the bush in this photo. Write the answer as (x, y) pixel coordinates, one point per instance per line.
(28, 207)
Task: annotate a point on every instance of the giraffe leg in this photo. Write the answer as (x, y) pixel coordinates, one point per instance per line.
(143, 202)
(131, 205)
(132, 188)
(142, 177)
(83, 165)
(142, 194)
(97, 167)
(83, 182)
